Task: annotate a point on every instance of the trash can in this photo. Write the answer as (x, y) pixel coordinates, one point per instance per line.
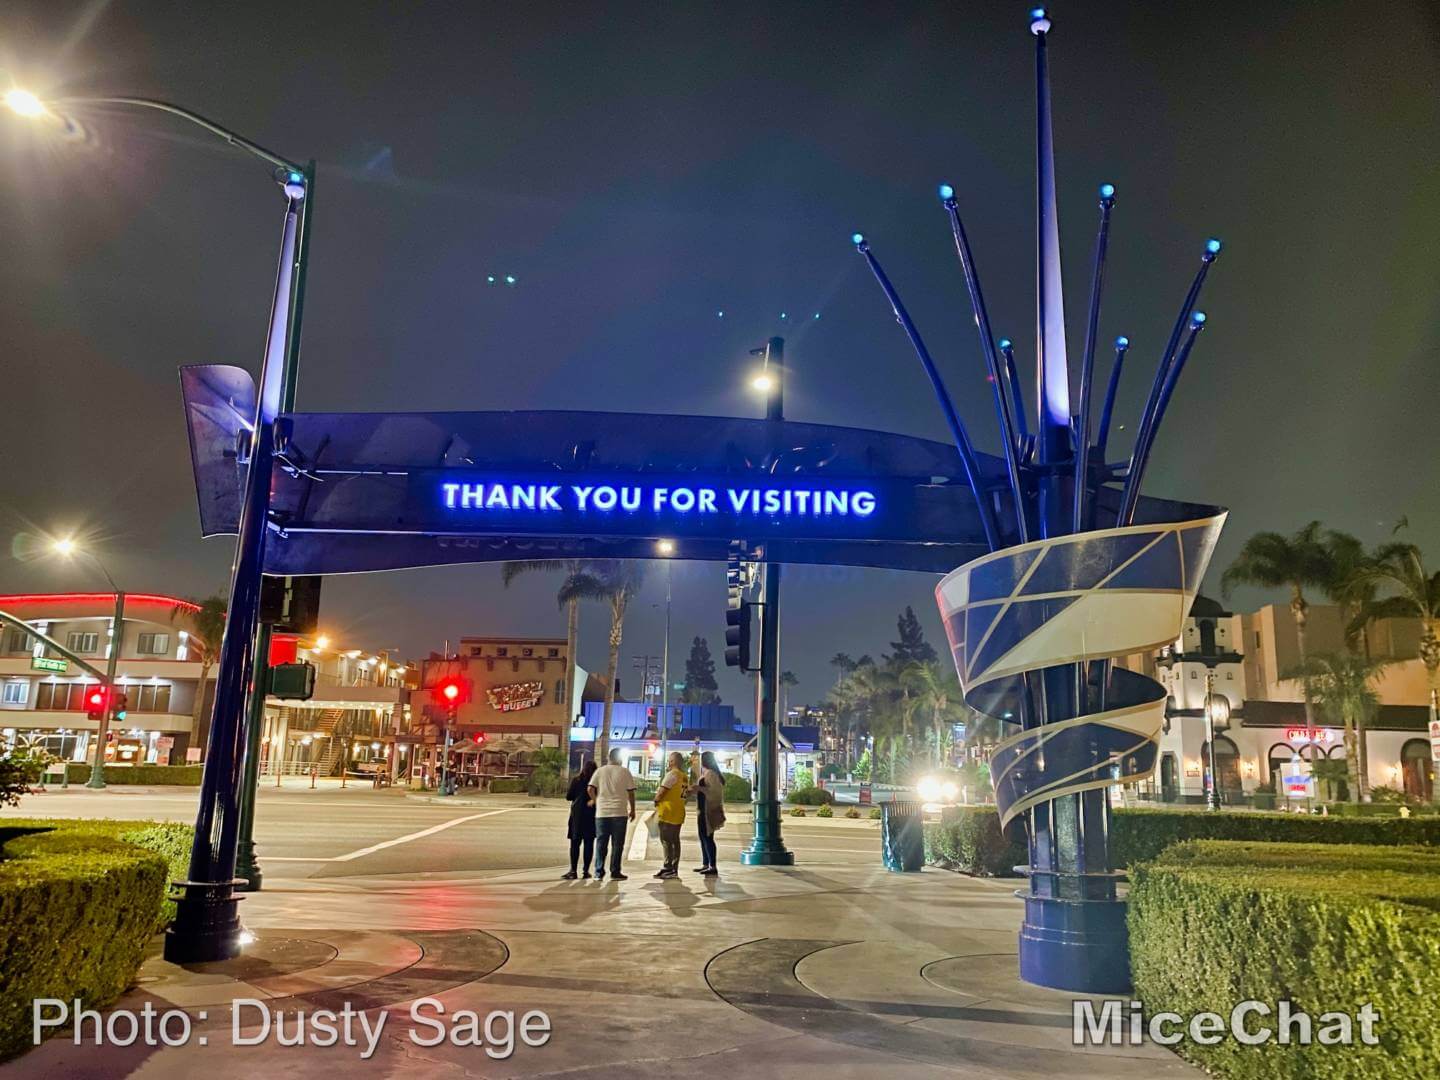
(902, 836)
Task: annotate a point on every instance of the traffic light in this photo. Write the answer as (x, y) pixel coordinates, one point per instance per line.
(121, 702)
(737, 608)
(95, 703)
(479, 738)
(450, 693)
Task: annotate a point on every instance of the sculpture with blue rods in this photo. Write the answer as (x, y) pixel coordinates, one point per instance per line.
(1082, 570)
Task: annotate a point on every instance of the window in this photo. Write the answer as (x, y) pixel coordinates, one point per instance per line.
(1257, 639)
(514, 665)
(1194, 674)
(154, 644)
(527, 652)
(17, 640)
(1230, 675)
(149, 697)
(501, 650)
(62, 697)
(553, 654)
(182, 651)
(81, 641)
(475, 650)
(15, 693)
(559, 691)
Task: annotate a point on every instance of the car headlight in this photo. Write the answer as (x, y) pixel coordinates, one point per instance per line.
(929, 789)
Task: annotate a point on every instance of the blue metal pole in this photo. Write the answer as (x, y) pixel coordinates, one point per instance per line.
(1017, 396)
(1122, 345)
(992, 362)
(207, 924)
(952, 418)
(1087, 363)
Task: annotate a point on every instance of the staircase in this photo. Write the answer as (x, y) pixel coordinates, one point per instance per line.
(334, 754)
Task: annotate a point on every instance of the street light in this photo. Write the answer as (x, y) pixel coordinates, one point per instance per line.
(762, 382)
(1217, 712)
(67, 547)
(665, 547)
(207, 925)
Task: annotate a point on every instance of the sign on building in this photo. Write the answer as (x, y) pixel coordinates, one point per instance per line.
(515, 696)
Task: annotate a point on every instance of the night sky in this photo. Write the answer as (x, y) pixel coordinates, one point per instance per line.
(640, 168)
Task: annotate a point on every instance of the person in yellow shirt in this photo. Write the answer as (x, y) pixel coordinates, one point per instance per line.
(670, 814)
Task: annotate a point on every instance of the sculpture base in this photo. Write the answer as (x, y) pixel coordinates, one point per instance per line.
(1078, 945)
(207, 925)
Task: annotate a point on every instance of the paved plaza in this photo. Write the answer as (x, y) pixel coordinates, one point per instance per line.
(833, 967)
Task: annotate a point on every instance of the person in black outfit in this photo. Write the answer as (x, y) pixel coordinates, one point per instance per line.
(582, 820)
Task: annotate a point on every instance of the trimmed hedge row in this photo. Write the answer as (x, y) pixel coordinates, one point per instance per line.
(146, 775)
(79, 901)
(968, 838)
(1328, 927)
(811, 796)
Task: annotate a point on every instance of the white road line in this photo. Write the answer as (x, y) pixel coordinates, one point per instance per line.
(348, 856)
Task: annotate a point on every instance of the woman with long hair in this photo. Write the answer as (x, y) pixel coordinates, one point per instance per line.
(709, 810)
(581, 829)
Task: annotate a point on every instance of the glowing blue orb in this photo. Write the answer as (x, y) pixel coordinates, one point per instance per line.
(857, 238)
(1039, 21)
(490, 279)
(1212, 246)
(509, 279)
(1037, 13)
(1004, 343)
(296, 177)
(817, 314)
(1198, 318)
(719, 314)
(1107, 191)
(783, 315)
(946, 191)
(1122, 342)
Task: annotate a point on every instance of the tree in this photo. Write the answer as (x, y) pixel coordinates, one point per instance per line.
(938, 697)
(1414, 594)
(1297, 562)
(1340, 685)
(700, 685)
(614, 581)
(912, 646)
(787, 680)
(207, 626)
(845, 665)
(569, 567)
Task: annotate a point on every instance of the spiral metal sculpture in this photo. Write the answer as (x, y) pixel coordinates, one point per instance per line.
(1073, 582)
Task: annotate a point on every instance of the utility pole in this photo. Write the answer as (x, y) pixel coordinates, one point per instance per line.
(767, 847)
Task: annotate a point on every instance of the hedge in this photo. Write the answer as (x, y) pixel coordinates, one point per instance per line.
(1328, 927)
(146, 775)
(79, 902)
(737, 788)
(513, 786)
(811, 796)
(968, 838)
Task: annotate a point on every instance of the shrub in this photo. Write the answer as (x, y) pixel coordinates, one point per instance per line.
(852, 812)
(146, 775)
(875, 814)
(802, 778)
(737, 788)
(1264, 800)
(545, 782)
(831, 772)
(509, 786)
(1328, 927)
(968, 838)
(797, 811)
(1140, 835)
(811, 796)
(826, 810)
(79, 901)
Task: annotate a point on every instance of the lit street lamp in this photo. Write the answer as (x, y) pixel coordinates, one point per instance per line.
(207, 925)
(1217, 711)
(66, 547)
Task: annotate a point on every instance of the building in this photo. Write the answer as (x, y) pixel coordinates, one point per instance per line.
(1244, 658)
(635, 730)
(43, 695)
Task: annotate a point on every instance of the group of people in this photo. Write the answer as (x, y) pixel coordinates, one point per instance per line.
(602, 805)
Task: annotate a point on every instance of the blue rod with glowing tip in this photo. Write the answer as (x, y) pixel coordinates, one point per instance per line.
(952, 418)
(992, 361)
(1131, 494)
(1087, 363)
(1141, 457)
(1017, 396)
(1122, 345)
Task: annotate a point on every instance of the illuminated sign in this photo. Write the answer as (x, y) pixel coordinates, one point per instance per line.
(46, 663)
(1321, 736)
(660, 504)
(516, 696)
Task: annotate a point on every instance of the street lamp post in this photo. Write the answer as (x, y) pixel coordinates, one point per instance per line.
(1217, 711)
(67, 547)
(767, 847)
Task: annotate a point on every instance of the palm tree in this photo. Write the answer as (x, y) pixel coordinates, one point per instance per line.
(1340, 684)
(1350, 587)
(614, 581)
(845, 714)
(938, 695)
(569, 567)
(787, 680)
(1297, 562)
(206, 627)
(1415, 595)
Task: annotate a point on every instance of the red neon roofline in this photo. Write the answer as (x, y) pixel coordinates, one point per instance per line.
(80, 597)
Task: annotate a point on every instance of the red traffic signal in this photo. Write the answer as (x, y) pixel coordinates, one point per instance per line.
(451, 691)
(479, 737)
(96, 700)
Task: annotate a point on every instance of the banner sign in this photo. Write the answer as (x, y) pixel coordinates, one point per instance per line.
(516, 696)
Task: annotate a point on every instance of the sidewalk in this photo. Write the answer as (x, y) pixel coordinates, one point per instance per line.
(829, 970)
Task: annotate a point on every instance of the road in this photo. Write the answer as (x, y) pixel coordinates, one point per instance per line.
(360, 832)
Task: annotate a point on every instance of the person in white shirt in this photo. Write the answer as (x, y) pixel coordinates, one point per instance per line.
(612, 790)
